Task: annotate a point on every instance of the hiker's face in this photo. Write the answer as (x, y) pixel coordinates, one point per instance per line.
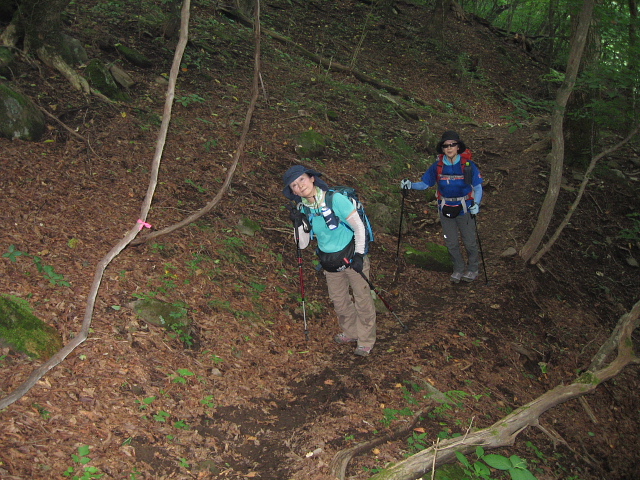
(450, 148)
(303, 186)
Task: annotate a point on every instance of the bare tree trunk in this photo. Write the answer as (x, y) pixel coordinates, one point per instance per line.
(504, 431)
(557, 139)
(547, 246)
(40, 21)
(133, 231)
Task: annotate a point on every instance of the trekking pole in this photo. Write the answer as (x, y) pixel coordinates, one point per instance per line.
(484, 267)
(404, 191)
(301, 276)
(380, 297)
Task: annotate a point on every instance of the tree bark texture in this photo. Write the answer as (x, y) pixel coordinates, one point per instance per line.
(504, 432)
(557, 146)
(41, 21)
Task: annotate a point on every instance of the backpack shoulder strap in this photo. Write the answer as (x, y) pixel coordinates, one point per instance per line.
(439, 168)
(328, 199)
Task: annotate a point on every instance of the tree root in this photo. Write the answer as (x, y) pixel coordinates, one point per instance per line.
(504, 431)
(338, 465)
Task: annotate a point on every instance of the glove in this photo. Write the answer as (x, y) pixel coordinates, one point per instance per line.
(357, 262)
(299, 219)
(405, 184)
(474, 209)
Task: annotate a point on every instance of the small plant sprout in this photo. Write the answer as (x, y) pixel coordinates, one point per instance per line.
(181, 375)
(514, 465)
(208, 401)
(81, 460)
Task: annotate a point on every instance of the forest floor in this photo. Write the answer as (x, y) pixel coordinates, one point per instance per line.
(252, 397)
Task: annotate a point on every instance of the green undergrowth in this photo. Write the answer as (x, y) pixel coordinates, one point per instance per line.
(443, 422)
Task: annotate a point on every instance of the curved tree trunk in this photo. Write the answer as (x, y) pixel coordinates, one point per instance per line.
(79, 338)
(504, 432)
(40, 21)
(557, 149)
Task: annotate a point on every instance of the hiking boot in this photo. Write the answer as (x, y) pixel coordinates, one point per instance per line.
(455, 277)
(342, 338)
(469, 276)
(362, 351)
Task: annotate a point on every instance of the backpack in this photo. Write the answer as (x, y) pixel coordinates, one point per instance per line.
(467, 173)
(352, 195)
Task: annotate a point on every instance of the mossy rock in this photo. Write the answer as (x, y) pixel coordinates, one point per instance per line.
(309, 144)
(23, 332)
(19, 116)
(435, 257)
(134, 57)
(101, 79)
(7, 62)
(171, 316)
(386, 219)
(72, 51)
(248, 227)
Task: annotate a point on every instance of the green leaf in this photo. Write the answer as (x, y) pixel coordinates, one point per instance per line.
(83, 450)
(479, 452)
(497, 461)
(518, 462)
(519, 474)
(481, 469)
(463, 460)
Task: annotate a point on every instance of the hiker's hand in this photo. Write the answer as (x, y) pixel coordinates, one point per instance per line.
(474, 209)
(357, 262)
(405, 184)
(299, 219)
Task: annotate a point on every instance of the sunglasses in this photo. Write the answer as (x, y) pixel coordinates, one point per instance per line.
(447, 145)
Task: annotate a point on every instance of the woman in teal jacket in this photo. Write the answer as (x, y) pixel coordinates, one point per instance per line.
(341, 247)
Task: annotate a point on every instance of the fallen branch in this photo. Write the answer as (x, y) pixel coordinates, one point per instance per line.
(236, 156)
(329, 64)
(504, 432)
(129, 236)
(338, 465)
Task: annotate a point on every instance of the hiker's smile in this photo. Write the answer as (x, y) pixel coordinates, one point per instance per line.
(303, 186)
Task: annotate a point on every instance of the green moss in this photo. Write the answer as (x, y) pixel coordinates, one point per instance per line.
(162, 314)
(23, 332)
(310, 143)
(134, 57)
(434, 257)
(588, 378)
(101, 79)
(20, 117)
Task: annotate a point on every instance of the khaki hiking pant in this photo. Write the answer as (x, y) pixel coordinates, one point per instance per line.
(357, 314)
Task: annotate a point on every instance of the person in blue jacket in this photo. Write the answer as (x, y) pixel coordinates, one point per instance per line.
(459, 194)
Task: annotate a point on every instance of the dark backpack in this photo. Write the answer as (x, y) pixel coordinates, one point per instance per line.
(352, 195)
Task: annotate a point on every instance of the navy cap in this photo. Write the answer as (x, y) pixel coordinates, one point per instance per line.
(451, 135)
(294, 173)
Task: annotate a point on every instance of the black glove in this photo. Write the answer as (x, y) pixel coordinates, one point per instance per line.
(299, 219)
(357, 262)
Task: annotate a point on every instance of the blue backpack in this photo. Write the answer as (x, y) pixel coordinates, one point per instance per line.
(352, 195)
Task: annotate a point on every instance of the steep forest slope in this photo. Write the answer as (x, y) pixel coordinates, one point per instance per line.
(244, 394)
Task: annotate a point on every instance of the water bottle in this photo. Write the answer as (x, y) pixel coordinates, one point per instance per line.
(468, 173)
(329, 217)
